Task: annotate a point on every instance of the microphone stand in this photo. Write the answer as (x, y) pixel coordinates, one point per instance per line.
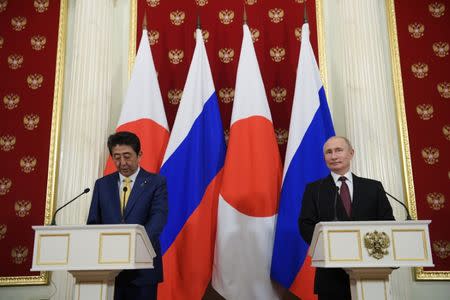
(408, 216)
(86, 190)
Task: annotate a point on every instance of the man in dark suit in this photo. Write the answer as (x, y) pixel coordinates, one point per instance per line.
(356, 198)
(132, 196)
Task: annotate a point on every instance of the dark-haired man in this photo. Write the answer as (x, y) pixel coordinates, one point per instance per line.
(132, 196)
(358, 199)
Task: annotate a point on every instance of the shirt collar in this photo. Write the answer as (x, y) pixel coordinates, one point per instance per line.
(132, 177)
(347, 175)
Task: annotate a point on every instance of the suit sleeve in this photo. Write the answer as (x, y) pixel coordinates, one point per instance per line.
(308, 215)
(384, 206)
(159, 210)
(94, 210)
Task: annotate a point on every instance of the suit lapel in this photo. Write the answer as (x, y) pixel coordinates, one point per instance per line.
(340, 210)
(114, 187)
(138, 188)
(356, 194)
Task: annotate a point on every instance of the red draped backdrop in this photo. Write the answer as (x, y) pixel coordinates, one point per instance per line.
(424, 35)
(276, 31)
(28, 48)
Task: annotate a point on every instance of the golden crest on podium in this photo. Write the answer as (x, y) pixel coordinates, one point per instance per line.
(376, 244)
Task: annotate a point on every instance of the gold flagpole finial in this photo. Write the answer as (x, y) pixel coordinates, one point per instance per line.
(144, 23)
(245, 15)
(305, 14)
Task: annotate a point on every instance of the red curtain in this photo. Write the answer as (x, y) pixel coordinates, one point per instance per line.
(275, 26)
(424, 37)
(28, 46)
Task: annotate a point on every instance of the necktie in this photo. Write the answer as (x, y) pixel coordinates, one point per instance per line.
(125, 194)
(345, 196)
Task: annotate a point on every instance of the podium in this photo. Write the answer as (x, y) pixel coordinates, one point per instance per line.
(369, 251)
(93, 254)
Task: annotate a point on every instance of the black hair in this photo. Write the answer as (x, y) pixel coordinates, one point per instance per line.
(124, 138)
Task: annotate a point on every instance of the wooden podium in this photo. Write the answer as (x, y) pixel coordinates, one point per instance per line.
(368, 252)
(93, 254)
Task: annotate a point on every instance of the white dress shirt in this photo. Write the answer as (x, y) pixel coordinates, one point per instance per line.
(349, 182)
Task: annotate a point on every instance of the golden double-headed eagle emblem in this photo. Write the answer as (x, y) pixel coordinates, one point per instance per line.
(5, 185)
(11, 101)
(41, 5)
(15, 61)
(174, 96)
(441, 248)
(278, 94)
(436, 9)
(22, 208)
(276, 15)
(28, 163)
(35, 81)
(18, 23)
(226, 95)
(7, 142)
(436, 200)
(377, 244)
(425, 111)
(444, 89)
(430, 155)
(19, 254)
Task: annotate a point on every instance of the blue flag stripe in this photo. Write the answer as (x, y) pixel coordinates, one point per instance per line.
(191, 168)
(306, 166)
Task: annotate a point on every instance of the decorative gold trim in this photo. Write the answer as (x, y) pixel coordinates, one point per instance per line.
(358, 233)
(133, 36)
(321, 44)
(38, 258)
(52, 173)
(425, 248)
(100, 249)
(408, 179)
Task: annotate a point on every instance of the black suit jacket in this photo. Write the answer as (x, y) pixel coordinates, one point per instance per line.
(369, 203)
(147, 205)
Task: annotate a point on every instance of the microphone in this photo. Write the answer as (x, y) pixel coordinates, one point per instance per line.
(86, 190)
(408, 216)
(336, 193)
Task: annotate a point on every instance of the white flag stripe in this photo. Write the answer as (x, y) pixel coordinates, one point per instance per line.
(247, 77)
(255, 245)
(143, 98)
(193, 89)
(306, 97)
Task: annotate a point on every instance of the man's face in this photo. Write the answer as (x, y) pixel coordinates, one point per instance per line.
(125, 159)
(338, 155)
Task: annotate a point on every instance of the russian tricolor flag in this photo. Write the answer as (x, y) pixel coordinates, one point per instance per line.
(192, 166)
(143, 110)
(310, 127)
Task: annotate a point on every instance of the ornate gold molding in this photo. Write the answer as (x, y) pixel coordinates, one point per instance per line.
(321, 43)
(133, 36)
(408, 180)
